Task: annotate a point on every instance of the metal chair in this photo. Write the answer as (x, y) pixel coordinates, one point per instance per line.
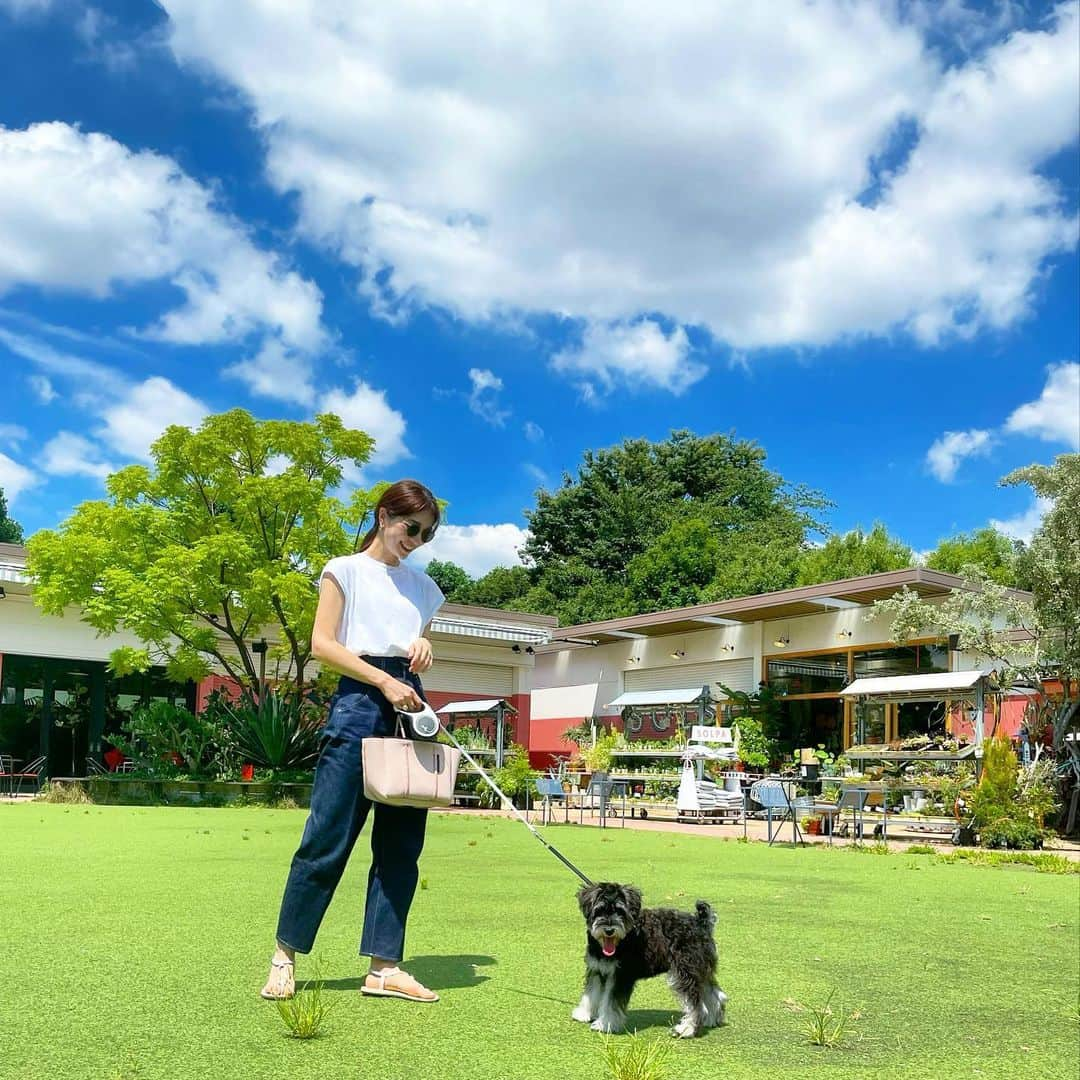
(32, 770)
(853, 799)
(551, 791)
(599, 795)
(773, 795)
(7, 773)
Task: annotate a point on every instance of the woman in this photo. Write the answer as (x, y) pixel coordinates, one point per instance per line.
(370, 625)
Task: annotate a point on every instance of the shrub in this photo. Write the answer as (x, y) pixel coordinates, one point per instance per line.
(1018, 833)
(755, 749)
(515, 777)
(157, 731)
(996, 794)
(1007, 815)
(277, 730)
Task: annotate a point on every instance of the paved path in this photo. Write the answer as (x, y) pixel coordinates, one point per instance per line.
(757, 830)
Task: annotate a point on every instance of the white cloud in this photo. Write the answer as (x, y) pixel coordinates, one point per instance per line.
(1024, 525)
(484, 397)
(12, 434)
(537, 474)
(86, 373)
(15, 478)
(944, 457)
(1055, 416)
(43, 389)
(276, 372)
(366, 409)
(741, 168)
(136, 420)
(80, 211)
(533, 432)
(476, 548)
(68, 454)
(131, 414)
(636, 354)
(24, 7)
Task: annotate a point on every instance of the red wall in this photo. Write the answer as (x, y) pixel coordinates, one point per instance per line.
(211, 683)
(520, 722)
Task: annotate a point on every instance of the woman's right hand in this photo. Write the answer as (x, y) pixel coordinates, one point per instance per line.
(402, 696)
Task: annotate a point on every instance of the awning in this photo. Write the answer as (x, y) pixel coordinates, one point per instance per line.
(482, 706)
(951, 684)
(657, 697)
(527, 635)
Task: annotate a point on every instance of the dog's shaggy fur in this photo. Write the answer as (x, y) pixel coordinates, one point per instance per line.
(626, 942)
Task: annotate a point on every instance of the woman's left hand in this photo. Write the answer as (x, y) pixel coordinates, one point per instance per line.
(420, 656)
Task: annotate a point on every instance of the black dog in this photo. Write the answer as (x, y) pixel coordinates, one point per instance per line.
(625, 942)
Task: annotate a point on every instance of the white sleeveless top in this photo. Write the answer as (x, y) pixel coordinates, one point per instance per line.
(386, 607)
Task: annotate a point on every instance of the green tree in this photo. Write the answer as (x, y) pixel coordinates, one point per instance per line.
(500, 587)
(854, 554)
(216, 544)
(1051, 562)
(452, 579)
(675, 568)
(11, 531)
(585, 536)
(995, 552)
(1027, 637)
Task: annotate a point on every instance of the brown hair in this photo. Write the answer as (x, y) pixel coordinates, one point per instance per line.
(400, 500)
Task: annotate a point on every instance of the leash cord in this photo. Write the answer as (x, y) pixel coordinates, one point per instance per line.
(521, 817)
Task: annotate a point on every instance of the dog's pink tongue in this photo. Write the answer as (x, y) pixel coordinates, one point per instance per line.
(608, 945)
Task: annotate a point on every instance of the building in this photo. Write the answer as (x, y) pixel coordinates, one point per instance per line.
(59, 700)
(806, 644)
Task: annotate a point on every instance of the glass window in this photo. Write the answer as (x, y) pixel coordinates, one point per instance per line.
(21, 703)
(901, 660)
(808, 674)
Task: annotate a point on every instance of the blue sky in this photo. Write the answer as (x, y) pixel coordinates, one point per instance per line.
(495, 239)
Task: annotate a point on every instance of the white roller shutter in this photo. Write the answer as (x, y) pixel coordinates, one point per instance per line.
(736, 674)
(459, 677)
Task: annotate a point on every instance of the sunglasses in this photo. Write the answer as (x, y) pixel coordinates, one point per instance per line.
(413, 530)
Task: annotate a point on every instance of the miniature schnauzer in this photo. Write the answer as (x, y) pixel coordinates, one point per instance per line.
(625, 942)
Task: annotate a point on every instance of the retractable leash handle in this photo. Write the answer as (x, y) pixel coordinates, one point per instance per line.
(521, 817)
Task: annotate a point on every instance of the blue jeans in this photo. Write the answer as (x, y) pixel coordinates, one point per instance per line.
(338, 812)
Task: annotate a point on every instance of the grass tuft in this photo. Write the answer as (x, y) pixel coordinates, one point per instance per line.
(823, 1025)
(52, 792)
(636, 1058)
(303, 1015)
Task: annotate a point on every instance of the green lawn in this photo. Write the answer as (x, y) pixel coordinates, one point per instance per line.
(134, 941)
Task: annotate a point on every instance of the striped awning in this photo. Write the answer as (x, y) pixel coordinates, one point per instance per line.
(525, 635)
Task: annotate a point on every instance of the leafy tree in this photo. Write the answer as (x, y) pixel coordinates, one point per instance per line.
(1038, 638)
(452, 579)
(586, 535)
(854, 554)
(1051, 562)
(216, 544)
(11, 532)
(675, 567)
(500, 587)
(995, 552)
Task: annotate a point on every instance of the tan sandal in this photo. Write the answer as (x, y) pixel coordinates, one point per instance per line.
(281, 984)
(393, 982)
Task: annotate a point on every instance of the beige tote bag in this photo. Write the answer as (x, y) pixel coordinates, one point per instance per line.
(409, 772)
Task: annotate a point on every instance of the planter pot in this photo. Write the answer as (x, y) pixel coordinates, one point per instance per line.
(247, 772)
